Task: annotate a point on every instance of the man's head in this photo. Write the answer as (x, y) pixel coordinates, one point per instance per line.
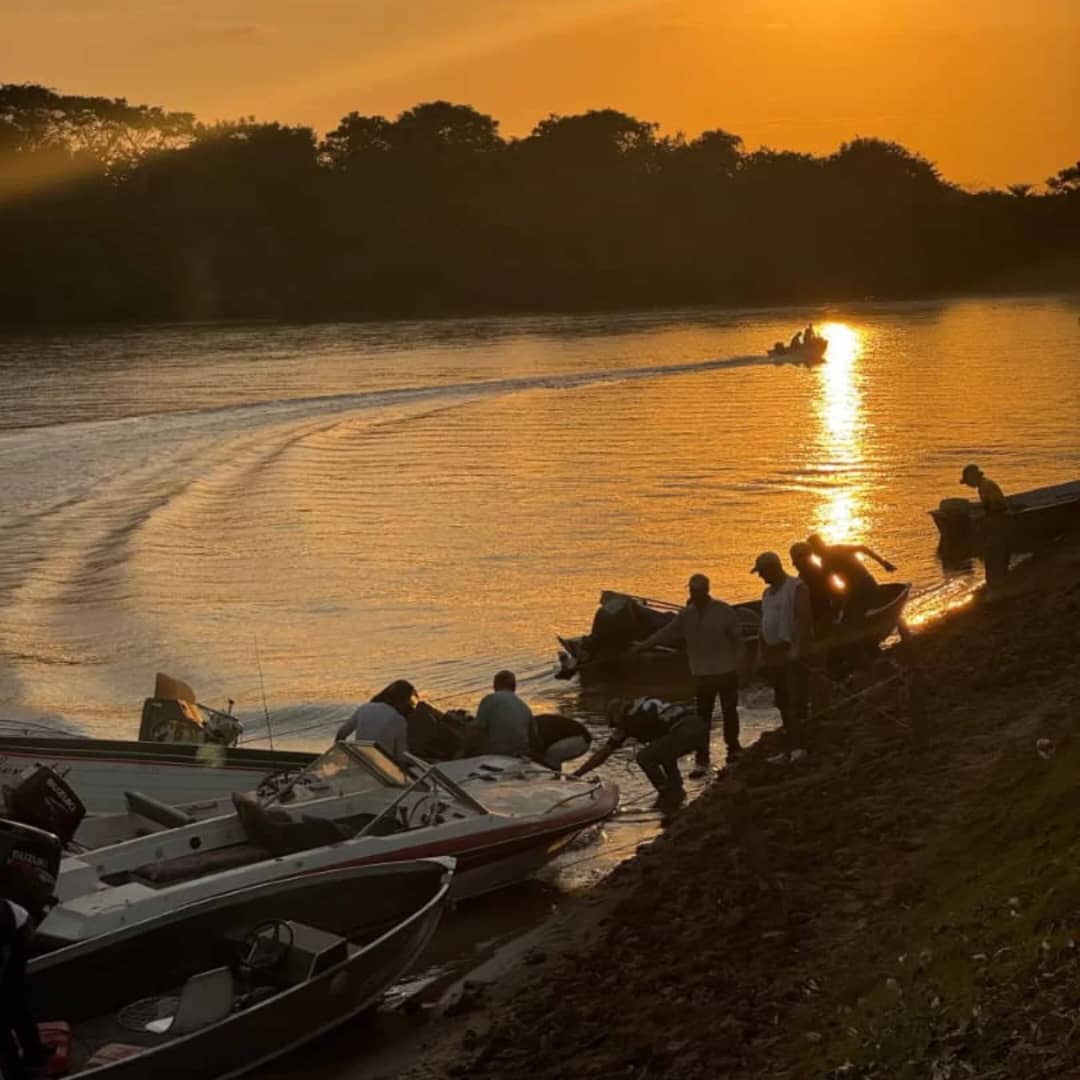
(699, 589)
(802, 555)
(817, 544)
(504, 680)
(971, 475)
(769, 566)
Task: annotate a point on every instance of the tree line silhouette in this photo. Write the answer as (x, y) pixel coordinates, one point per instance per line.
(117, 211)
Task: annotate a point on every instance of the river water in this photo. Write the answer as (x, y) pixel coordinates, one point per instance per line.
(343, 504)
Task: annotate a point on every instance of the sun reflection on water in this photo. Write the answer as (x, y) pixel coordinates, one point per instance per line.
(839, 408)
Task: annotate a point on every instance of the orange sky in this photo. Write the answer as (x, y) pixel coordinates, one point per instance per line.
(989, 89)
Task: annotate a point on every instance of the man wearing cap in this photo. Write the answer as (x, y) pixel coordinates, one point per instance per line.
(995, 525)
(714, 647)
(784, 636)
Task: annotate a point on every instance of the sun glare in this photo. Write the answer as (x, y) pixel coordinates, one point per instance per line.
(840, 412)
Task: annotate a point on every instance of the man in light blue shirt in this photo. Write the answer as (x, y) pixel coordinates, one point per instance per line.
(505, 722)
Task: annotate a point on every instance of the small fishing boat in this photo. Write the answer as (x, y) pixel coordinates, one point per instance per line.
(501, 818)
(811, 353)
(185, 752)
(623, 619)
(218, 987)
(1036, 517)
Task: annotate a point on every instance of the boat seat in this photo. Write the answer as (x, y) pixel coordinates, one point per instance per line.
(164, 814)
(279, 833)
(206, 999)
(187, 867)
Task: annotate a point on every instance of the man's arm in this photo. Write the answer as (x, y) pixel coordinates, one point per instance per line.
(600, 756)
(346, 729)
(399, 740)
(872, 554)
(666, 633)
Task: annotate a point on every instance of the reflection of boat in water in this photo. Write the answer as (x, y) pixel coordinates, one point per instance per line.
(501, 818)
(184, 752)
(216, 988)
(1035, 518)
(623, 619)
(810, 353)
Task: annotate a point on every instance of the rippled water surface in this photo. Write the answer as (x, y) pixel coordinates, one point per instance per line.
(352, 503)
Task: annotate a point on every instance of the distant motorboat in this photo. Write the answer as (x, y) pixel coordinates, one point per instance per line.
(812, 352)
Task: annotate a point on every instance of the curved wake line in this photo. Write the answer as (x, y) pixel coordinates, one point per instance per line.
(406, 394)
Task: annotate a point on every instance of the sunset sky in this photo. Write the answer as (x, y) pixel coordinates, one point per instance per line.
(989, 89)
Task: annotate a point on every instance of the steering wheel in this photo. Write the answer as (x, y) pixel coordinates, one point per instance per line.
(274, 782)
(265, 953)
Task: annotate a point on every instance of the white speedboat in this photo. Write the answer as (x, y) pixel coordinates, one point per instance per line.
(501, 818)
(185, 752)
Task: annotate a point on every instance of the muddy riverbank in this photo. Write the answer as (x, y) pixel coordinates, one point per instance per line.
(902, 903)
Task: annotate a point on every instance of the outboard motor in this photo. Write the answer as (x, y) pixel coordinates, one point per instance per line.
(45, 801)
(29, 866)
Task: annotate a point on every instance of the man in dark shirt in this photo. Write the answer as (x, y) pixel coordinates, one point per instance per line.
(842, 560)
(666, 733)
(822, 595)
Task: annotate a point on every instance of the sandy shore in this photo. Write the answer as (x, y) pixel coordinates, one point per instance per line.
(904, 902)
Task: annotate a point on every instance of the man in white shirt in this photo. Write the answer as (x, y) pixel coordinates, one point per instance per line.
(384, 720)
(786, 624)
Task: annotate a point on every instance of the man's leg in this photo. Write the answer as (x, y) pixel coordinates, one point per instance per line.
(652, 758)
(728, 688)
(707, 688)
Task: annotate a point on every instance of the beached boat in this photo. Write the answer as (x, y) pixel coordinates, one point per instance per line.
(1036, 517)
(811, 353)
(623, 619)
(214, 989)
(501, 818)
(185, 752)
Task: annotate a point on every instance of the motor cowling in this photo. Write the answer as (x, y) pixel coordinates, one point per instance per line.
(29, 866)
(44, 800)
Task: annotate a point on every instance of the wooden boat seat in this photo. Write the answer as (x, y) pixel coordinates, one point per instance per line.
(189, 867)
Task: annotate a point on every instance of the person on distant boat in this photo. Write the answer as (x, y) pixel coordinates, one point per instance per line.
(783, 640)
(666, 733)
(796, 341)
(822, 595)
(995, 524)
(560, 739)
(714, 647)
(384, 719)
(809, 334)
(504, 722)
(16, 1020)
(843, 562)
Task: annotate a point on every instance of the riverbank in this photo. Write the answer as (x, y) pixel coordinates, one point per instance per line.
(902, 903)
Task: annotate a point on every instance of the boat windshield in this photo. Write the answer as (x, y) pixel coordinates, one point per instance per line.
(345, 769)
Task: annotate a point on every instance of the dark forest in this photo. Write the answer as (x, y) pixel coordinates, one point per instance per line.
(116, 211)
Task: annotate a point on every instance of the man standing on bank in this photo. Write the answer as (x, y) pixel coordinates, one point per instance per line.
(714, 647)
(785, 635)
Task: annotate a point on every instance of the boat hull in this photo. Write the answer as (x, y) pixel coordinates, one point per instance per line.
(102, 770)
(397, 908)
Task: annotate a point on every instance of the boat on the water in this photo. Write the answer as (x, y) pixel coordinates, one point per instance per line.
(624, 619)
(1036, 517)
(812, 352)
(501, 818)
(185, 752)
(218, 987)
